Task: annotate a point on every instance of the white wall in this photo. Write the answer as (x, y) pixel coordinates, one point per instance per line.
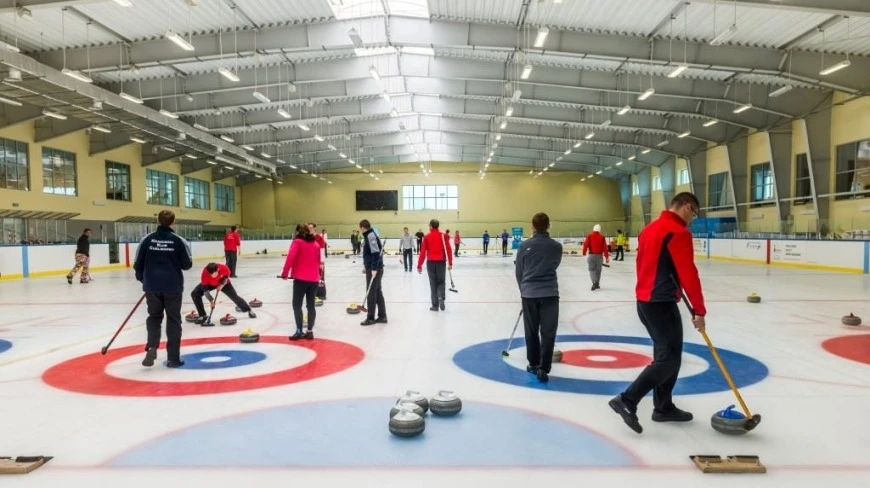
(10, 262)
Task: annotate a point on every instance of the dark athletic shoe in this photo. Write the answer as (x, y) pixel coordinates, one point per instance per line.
(381, 320)
(628, 416)
(150, 356)
(69, 279)
(367, 322)
(441, 303)
(174, 364)
(308, 335)
(672, 415)
(532, 369)
(251, 314)
(542, 376)
(433, 308)
(298, 335)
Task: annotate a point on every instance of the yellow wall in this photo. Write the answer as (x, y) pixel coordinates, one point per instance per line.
(259, 209)
(504, 199)
(760, 219)
(91, 182)
(657, 197)
(849, 123)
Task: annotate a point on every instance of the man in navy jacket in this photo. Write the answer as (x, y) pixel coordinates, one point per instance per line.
(160, 260)
(373, 261)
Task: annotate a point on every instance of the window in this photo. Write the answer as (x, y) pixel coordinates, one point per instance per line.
(117, 181)
(430, 197)
(657, 183)
(58, 172)
(196, 194)
(161, 188)
(762, 187)
(224, 198)
(13, 231)
(41, 231)
(719, 191)
(683, 177)
(14, 174)
(853, 170)
(802, 182)
(635, 189)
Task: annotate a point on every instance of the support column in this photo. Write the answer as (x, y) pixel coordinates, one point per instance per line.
(737, 168)
(644, 182)
(819, 153)
(779, 144)
(697, 165)
(668, 175)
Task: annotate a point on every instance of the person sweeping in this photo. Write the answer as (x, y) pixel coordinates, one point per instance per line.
(596, 245)
(304, 265)
(537, 261)
(216, 276)
(435, 248)
(665, 264)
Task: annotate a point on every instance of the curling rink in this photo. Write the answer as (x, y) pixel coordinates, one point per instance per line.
(278, 413)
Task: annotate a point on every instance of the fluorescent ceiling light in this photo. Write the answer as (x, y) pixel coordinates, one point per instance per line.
(124, 3)
(9, 101)
(381, 171)
(319, 138)
(72, 73)
(543, 32)
(386, 96)
(742, 108)
(304, 171)
(598, 172)
(266, 155)
(620, 163)
(131, 98)
(567, 152)
(590, 135)
(678, 70)
(227, 138)
(646, 151)
(55, 115)
(582, 179)
(213, 163)
(552, 164)
(559, 158)
(781, 91)
(284, 113)
(491, 153)
(104, 130)
(201, 127)
(331, 147)
(590, 177)
(724, 36)
(138, 140)
(503, 125)
(247, 147)
(180, 41)
(630, 158)
(343, 155)
(489, 159)
(498, 137)
(495, 146)
(711, 123)
(663, 143)
(355, 37)
(578, 144)
(291, 87)
(263, 98)
(293, 166)
(304, 127)
(837, 67)
(374, 72)
(425, 51)
(358, 166)
(684, 134)
(228, 74)
(167, 113)
(648, 93)
(624, 110)
(352, 162)
(517, 94)
(393, 113)
(191, 156)
(527, 71)
(605, 123)
(509, 111)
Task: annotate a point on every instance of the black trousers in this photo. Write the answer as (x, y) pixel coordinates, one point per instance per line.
(665, 327)
(160, 303)
(620, 254)
(541, 320)
(232, 257)
(227, 290)
(408, 259)
(419, 244)
(504, 247)
(485, 246)
(437, 278)
(306, 290)
(376, 295)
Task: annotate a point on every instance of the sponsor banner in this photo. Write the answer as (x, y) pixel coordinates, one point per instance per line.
(700, 246)
(788, 251)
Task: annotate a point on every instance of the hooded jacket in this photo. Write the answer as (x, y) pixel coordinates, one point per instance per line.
(303, 260)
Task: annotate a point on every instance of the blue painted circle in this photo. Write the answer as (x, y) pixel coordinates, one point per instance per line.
(223, 359)
(5, 345)
(355, 433)
(484, 360)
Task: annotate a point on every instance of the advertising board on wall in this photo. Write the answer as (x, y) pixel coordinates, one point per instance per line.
(788, 252)
(700, 246)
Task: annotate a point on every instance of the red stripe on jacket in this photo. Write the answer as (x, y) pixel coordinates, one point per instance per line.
(596, 244)
(664, 254)
(432, 248)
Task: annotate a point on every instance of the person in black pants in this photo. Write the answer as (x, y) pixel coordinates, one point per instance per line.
(504, 242)
(485, 242)
(305, 264)
(435, 249)
(406, 243)
(83, 259)
(160, 260)
(419, 235)
(537, 261)
(373, 267)
(216, 276)
(665, 265)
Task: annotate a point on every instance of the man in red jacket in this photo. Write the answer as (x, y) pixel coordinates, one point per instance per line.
(596, 245)
(436, 248)
(216, 276)
(665, 263)
(232, 243)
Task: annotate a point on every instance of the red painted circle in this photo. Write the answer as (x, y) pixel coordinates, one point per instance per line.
(87, 374)
(853, 347)
(604, 359)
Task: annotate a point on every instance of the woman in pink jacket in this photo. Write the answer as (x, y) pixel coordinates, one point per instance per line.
(303, 264)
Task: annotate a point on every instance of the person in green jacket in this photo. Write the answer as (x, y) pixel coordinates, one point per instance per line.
(621, 242)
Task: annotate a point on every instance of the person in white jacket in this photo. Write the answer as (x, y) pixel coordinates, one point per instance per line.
(407, 245)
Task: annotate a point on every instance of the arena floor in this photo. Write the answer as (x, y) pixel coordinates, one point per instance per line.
(316, 412)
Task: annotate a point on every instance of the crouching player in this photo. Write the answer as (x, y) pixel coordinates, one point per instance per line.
(216, 276)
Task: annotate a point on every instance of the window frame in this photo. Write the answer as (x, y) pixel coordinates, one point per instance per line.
(715, 204)
(126, 189)
(162, 178)
(219, 199)
(762, 186)
(843, 185)
(802, 160)
(635, 188)
(431, 198)
(680, 180)
(196, 190)
(20, 150)
(656, 183)
(49, 172)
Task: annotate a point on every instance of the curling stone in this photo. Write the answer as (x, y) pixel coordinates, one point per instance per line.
(318, 302)
(729, 422)
(407, 424)
(228, 320)
(557, 356)
(249, 337)
(406, 406)
(754, 298)
(851, 319)
(255, 303)
(445, 404)
(191, 317)
(415, 397)
(353, 309)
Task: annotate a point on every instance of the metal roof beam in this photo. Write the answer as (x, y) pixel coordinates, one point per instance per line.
(843, 7)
